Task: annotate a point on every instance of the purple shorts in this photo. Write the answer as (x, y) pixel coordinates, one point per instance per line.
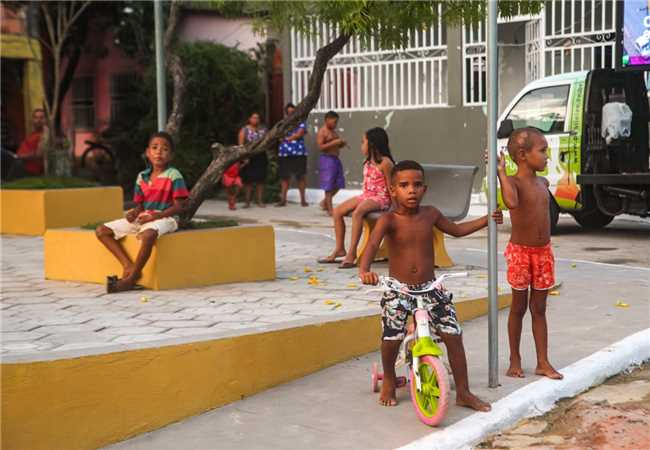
(331, 173)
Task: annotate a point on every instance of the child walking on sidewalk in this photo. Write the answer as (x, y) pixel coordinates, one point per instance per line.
(160, 196)
(528, 254)
(375, 196)
(330, 168)
(408, 230)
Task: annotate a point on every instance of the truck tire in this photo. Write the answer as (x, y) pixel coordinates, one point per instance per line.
(554, 212)
(592, 219)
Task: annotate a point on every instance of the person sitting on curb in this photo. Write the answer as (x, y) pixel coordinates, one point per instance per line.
(160, 196)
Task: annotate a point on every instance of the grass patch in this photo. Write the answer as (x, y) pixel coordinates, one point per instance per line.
(48, 183)
(194, 225)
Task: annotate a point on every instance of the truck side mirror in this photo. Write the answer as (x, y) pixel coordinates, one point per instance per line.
(505, 129)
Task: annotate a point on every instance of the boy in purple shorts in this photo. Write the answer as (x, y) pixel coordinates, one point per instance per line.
(331, 169)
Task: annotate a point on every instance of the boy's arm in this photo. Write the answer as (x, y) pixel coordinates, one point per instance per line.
(326, 146)
(382, 226)
(176, 209)
(508, 186)
(463, 229)
(240, 137)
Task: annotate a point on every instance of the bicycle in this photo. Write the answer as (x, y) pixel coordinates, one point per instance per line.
(426, 373)
(99, 160)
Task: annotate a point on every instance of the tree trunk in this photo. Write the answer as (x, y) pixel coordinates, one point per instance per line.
(175, 66)
(223, 157)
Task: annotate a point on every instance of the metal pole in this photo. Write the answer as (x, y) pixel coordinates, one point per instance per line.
(492, 106)
(161, 91)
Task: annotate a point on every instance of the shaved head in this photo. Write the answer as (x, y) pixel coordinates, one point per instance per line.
(522, 138)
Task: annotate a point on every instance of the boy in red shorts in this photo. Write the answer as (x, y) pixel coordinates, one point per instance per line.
(528, 254)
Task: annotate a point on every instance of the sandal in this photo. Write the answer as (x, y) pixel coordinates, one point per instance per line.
(347, 265)
(111, 284)
(330, 260)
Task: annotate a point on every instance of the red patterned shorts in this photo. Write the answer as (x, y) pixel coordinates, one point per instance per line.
(530, 266)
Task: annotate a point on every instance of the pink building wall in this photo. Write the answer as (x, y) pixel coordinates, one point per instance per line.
(101, 59)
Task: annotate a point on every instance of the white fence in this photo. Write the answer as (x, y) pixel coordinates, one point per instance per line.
(371, 78)
(568, 36)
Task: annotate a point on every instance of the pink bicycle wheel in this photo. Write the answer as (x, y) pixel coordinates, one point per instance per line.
(432, 401)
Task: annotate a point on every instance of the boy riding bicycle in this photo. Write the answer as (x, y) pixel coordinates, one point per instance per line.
(408, 230)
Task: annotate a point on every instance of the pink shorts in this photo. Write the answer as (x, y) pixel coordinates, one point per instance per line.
(530, 267)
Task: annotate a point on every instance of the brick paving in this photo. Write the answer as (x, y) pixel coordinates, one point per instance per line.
(39, 317)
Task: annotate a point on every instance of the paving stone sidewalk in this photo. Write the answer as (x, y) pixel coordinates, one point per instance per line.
(39, 317)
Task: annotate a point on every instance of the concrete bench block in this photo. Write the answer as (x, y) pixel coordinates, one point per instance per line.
(188, 258)
(31, 212)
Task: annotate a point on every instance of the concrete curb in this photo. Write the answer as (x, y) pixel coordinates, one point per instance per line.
(540, 396)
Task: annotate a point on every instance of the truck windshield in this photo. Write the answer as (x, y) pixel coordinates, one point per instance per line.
(543, 108)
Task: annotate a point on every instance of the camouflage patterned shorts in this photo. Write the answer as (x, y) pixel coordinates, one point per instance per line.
(396, 308)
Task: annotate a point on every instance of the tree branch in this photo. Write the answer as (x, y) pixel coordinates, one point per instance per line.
(224, 156)
(175, 66)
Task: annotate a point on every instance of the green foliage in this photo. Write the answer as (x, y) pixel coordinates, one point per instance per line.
(385, 22)
(222, 90)
(48, 183)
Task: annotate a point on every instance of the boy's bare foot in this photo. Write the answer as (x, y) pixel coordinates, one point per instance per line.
(303, 203)
(260, 205)
(322, 205)
(247, 205)
(546, 370)
(281, 204)
(387, 395)
(333, 258)
(470, 400)
(515, 371)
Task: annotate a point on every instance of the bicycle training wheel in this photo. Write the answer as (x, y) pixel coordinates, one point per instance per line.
(432, 401)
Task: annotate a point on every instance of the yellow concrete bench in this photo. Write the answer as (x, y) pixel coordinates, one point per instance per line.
(31, 212)
(184, 259)
(442, 258)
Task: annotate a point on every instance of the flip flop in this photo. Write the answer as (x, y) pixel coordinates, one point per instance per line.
(111, 284)
(347, 265)
(328, 260)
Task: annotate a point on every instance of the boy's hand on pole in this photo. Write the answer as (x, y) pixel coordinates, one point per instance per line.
(369, 278)
(497, 215)
(501, 163)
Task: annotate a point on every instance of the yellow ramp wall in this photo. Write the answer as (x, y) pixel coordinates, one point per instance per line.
(31, 212)
(183, 259)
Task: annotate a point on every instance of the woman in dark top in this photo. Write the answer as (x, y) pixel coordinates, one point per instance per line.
(253, 171)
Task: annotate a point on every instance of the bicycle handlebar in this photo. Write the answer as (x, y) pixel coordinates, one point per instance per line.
(391, 284)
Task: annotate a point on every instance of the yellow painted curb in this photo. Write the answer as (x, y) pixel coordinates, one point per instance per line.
(31, 212)
(184, 259)
(91, 401)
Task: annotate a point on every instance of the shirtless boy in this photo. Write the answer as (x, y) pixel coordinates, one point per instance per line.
(528, 254)
(408, 230)
(330, 167)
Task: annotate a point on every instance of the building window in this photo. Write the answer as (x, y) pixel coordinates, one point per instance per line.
(83, 102)
(543, 108)
(122, 85)
(371, 78)
(475, 65)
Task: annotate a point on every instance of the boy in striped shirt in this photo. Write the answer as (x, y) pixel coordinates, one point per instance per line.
(160, 196)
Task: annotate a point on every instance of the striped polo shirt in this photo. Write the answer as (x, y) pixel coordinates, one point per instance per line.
(160, 193)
